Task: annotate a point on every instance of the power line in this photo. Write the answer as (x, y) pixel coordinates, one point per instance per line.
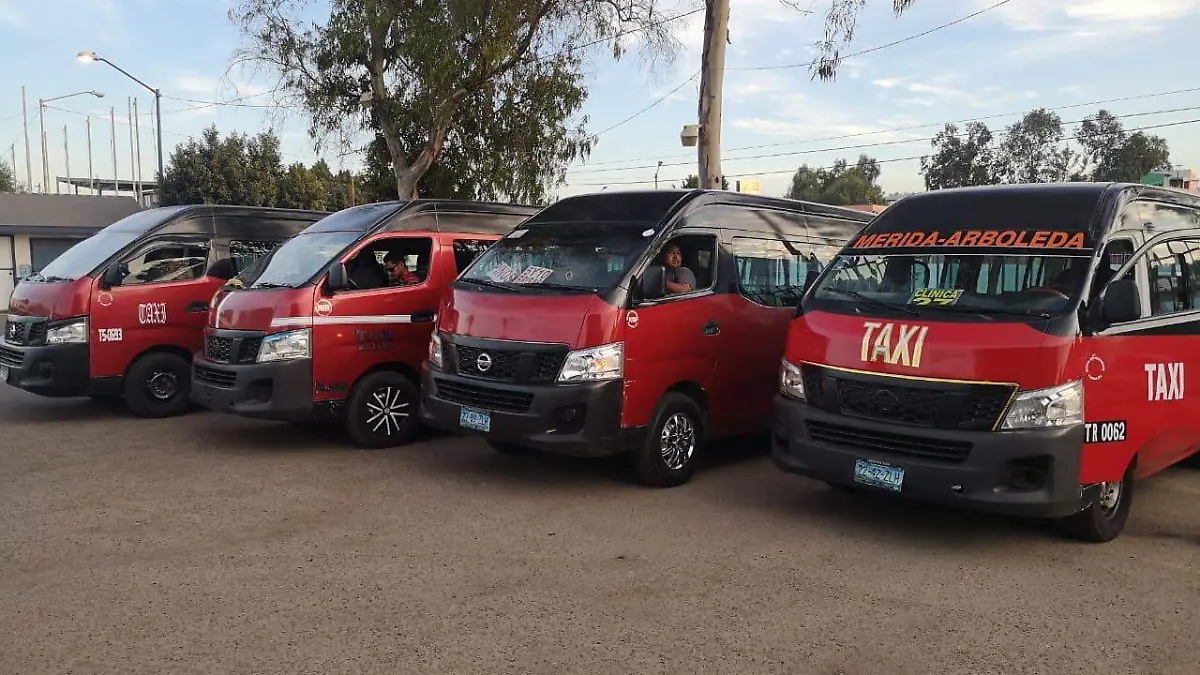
(907, 128)
(648, 26)
(871, 50)
(861, 146)
(798, 65)
(878, 161)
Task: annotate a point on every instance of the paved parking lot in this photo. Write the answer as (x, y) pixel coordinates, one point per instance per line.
(209, 544)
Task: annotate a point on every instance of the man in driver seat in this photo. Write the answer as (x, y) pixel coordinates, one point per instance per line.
(678, 278)
(398, 272)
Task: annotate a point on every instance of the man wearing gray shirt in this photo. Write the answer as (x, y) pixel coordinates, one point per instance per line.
(679, 279)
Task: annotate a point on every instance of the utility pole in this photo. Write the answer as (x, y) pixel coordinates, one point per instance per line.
(132, 161)
(67, 159)
(137, 139)
(712, 78)
(91, 173)
(42, 130)
(112, 120)
(25, 122)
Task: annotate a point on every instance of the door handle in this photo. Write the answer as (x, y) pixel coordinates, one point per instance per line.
(197, 307)
(712, 327)
(423, 317)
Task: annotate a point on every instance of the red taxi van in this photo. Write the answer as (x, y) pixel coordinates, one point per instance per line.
(334, 324)
(120, 313)
(1020, 349)
(640, 322)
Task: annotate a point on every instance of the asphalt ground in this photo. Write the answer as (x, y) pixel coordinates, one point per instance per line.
(212, 544)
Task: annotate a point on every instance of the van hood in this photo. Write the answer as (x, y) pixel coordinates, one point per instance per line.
(577, 320)
(913, 347)
(271, 311)
(51, 300)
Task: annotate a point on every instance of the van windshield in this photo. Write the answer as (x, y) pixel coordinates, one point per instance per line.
(300, 258)
(971, 284)
(564, 256)
(87, 255)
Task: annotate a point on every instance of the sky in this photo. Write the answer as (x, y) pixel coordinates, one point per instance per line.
(1066, 55)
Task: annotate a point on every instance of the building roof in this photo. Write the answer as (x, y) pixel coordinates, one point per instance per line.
(61, 215)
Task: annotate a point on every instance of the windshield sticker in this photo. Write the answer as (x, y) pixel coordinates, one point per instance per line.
(533, 275)
(516, 234)
(974, 238)
(502, 273)
(894, 344)
(935, 296)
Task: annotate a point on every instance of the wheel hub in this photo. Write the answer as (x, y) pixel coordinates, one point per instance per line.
(677, 441)
(1110, 495)
(387, 410)
(162, 385)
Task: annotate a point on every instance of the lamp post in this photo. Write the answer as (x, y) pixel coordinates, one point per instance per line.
(656, 170)
(88, 57)
(42, 127)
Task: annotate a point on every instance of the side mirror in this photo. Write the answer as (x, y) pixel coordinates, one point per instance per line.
(113, 276)
(1121, 302)
(654, 283)
(337, 280)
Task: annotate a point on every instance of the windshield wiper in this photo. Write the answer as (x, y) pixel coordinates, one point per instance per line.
(872, 301)
(489, 284)
(48, 279)
(268, 284)
(557, 287)
(988, 311)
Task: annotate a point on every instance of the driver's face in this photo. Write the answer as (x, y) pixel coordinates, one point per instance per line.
(673, 257)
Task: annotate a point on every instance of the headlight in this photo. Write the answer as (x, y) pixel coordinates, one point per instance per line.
(791, 382)
(72, 333)
(606, 362)
(1060, 406)
(283, 346)
(435, 350)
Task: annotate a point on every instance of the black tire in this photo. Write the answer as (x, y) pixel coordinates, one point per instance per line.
(509, 448)
(382, 410)
(159, 385)
(1100, 523)
(653, 464)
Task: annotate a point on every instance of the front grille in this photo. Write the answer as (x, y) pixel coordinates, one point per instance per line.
(11, 358)
(217, 378)
(25, 332)
(219, 349)
(509, 365)
(487, 398)
(889, 443)
(931, 404)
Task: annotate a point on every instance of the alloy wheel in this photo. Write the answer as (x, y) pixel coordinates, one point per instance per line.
(677, 441)
(387, 410)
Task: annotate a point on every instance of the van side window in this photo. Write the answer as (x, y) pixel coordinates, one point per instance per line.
(1173, 288)
(391, 261)
(772, 273)
(698, 256)
(244, 253)
(1116, 254)
(467, 250)
(167, 261)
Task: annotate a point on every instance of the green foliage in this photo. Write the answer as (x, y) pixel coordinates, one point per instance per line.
(840, 23)
(248, 171)
(1033, 150)
(841, 185)
(692, 182)
(8, 179)
(491, 90)
(1112, 154)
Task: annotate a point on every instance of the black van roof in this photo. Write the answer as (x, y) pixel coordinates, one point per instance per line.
(667, 202)
(382, 215)
(1100, 190)
(160, 216)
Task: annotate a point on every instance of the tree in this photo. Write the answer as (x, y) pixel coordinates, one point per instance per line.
(499, 80)
(301, 188)
(840, 185)
(237, 169)
(8, 179)
(1112, 154)
(958, 161)
(840, 23)
(1032, 150)
(692, 182)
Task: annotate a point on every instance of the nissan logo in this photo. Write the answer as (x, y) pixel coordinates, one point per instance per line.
(885, 400)
(484, 362)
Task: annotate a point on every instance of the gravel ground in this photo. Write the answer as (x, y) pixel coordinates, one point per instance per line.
(212, 544)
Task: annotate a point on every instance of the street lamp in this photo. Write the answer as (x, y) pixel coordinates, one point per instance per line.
(42, 126)
(656, 170)
(88, 57)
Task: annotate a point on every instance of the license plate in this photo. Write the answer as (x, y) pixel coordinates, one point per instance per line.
(478, 420)
(4, 374)
(878, 475)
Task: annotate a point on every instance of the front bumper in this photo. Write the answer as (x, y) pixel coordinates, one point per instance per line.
(582, 420)
(57, 371)
(1029, 473)
(271, 391)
